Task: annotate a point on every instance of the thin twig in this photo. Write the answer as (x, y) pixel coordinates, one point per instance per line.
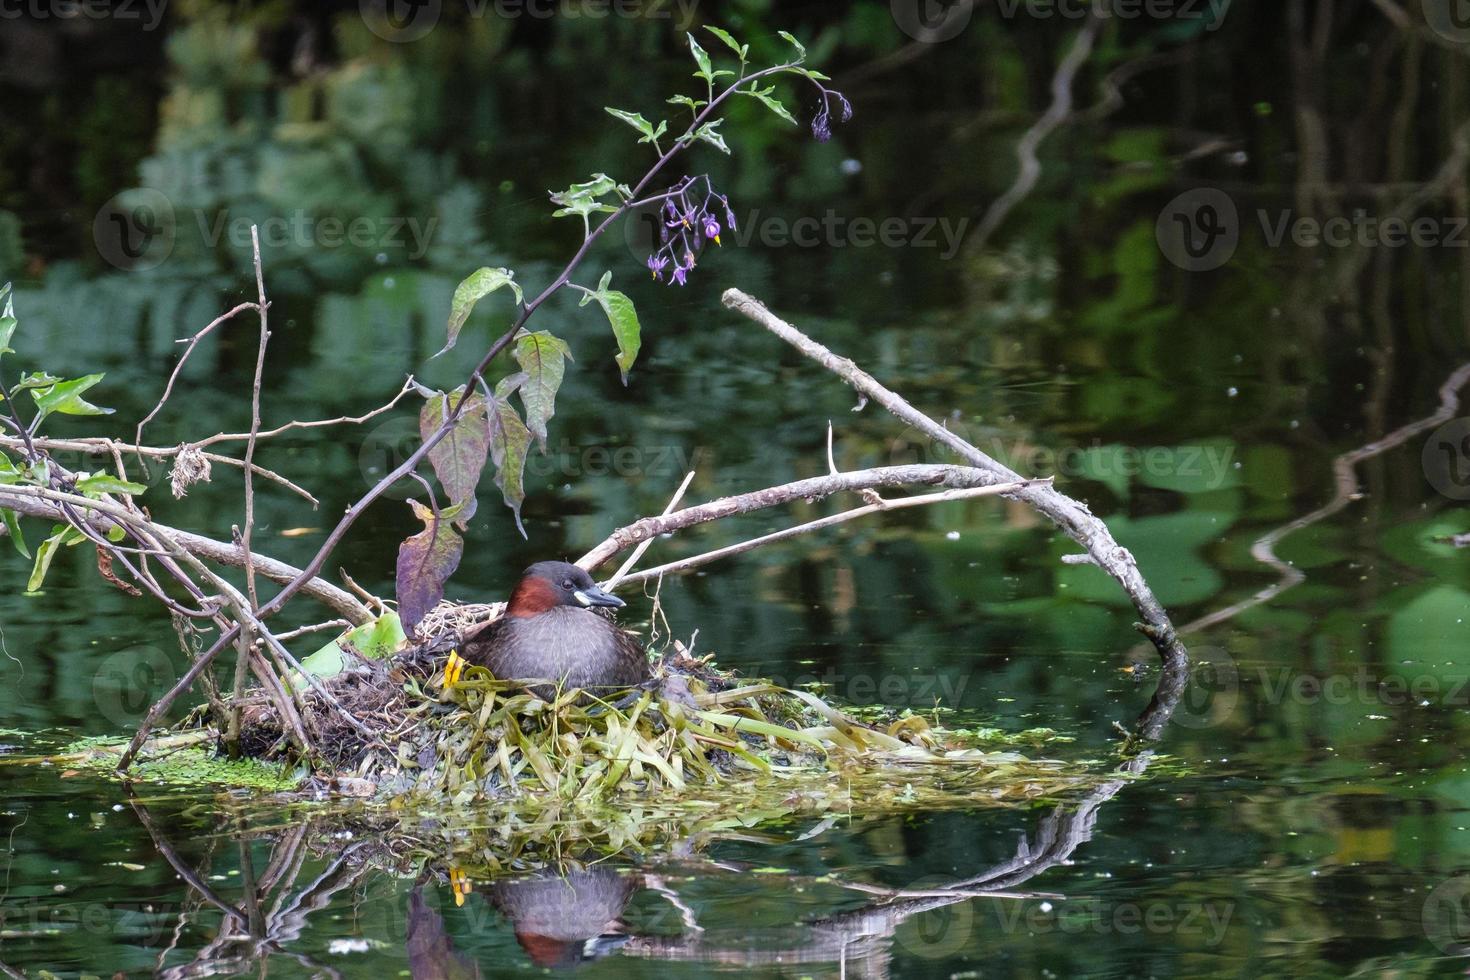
(168, 389)
(815, 488)
(263, 308)
(643, 546)
(408, 387)
(945, 496)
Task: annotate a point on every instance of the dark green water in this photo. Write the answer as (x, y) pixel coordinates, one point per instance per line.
(1307, 812)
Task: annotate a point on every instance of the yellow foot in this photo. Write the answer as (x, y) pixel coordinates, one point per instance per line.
(459, 883)
(453, 669)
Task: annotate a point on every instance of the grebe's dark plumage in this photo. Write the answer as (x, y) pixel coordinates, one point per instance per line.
(549, 632)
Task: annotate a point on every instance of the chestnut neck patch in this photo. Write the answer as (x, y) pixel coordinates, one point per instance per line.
(532, 596)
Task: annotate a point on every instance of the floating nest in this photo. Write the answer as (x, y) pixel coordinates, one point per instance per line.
(698, 750)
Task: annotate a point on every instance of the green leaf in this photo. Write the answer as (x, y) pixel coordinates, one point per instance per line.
(768, 98)
(583, 199)
(509, 440)
(425, 562)
(623, 317)
(694, 105)
(542, 356)
(7, 329)
(740, 49)
(61, 534)
(12, 523)
(100, 483)
(459, 458)
(800, 48)
(636, 120)
(65, 397)
(476, 286)
(706, 70)
(379, 639)
(710, 134)
(9, 472)
(815, 76)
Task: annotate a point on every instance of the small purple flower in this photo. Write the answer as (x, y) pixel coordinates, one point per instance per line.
(846, 106)
(656, 264)
(712, 228)
(822, 126)
(681, 275)
(729, 215)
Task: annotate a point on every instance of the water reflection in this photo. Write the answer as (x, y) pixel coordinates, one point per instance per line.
(570, 908)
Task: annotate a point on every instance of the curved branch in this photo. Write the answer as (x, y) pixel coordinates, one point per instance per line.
(886, 477)
(1071, 516)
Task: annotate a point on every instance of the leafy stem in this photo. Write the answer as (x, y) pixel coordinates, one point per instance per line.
(526, 310)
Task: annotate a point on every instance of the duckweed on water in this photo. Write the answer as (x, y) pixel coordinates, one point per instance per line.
(186, 759)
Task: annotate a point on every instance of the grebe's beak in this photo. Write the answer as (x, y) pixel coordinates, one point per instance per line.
(594, 596)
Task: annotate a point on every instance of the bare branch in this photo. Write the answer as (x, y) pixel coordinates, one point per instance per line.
(168, 389)
(643, 546)
(953, 477)
(944, 496)
(40, 502)
(262, 307)
(1071, 516)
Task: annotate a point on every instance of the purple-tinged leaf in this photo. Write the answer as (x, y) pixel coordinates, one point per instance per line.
(425, 562)
(459, 458)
